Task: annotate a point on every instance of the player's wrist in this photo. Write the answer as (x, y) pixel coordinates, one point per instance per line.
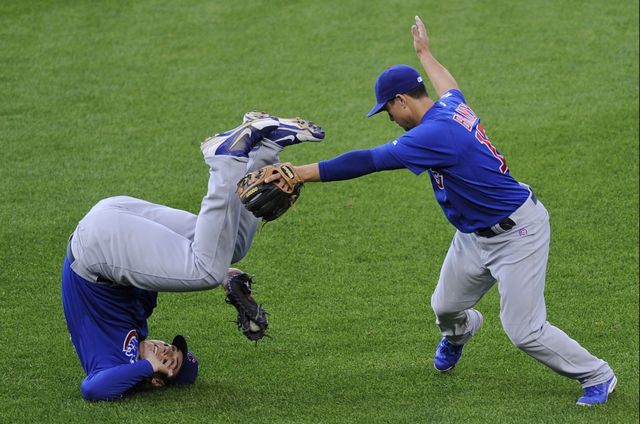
(308, 173)
(422, 51)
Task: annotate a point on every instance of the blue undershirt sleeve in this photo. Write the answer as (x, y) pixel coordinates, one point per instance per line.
(112, 383)
(357, 163)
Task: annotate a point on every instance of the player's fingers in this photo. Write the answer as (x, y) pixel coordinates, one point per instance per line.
(272, 178)
(282, 184)
(420, 25)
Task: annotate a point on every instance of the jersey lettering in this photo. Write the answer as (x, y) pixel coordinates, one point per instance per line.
(465, 116)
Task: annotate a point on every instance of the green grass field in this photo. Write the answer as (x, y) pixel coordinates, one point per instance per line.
(106, 98)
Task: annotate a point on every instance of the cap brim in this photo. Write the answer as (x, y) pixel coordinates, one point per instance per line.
(180, 343)
(377, 108)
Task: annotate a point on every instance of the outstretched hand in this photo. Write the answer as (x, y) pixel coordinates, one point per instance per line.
(420, 37)
(439, 76)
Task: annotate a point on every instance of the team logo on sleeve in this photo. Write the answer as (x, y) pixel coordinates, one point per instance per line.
(130, 346)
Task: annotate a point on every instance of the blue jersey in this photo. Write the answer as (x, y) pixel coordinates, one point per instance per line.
(470, 177)
(106, 324)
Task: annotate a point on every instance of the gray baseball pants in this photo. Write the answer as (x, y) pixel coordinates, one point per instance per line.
(517, 259)
(128, 241)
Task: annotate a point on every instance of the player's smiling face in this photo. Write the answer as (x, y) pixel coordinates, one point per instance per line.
(168, 354)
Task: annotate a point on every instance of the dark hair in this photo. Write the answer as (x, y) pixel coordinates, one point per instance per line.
(419, 91)
(416, 93)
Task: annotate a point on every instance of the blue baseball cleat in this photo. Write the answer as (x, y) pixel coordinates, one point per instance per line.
(290, 131)
(240, 140)
(599, 393)
(447, 355)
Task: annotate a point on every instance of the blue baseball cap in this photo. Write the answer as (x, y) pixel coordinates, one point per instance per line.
(395, 80)
(189, 370)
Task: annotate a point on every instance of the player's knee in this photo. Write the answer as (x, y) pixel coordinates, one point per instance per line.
(110, 202)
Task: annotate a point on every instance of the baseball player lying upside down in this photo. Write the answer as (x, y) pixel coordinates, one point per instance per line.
(126, 250)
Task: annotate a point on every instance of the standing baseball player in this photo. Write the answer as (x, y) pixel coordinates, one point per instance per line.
(502, 228)
(125, 250)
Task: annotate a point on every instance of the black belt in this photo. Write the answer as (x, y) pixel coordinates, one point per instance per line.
(506, 224)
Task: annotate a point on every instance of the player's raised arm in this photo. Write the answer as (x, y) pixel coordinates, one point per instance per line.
(440, 78)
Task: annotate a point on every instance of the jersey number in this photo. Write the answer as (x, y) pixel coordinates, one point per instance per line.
(481, 136)
(466, 117)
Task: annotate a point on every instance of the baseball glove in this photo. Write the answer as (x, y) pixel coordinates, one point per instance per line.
(270, 200)
(252, 318)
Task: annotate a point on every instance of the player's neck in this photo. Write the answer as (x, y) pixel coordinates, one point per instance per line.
(422, 106)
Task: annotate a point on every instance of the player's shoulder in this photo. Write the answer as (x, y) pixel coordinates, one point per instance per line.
(443, 109)
(452, 95)
(445, 106)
